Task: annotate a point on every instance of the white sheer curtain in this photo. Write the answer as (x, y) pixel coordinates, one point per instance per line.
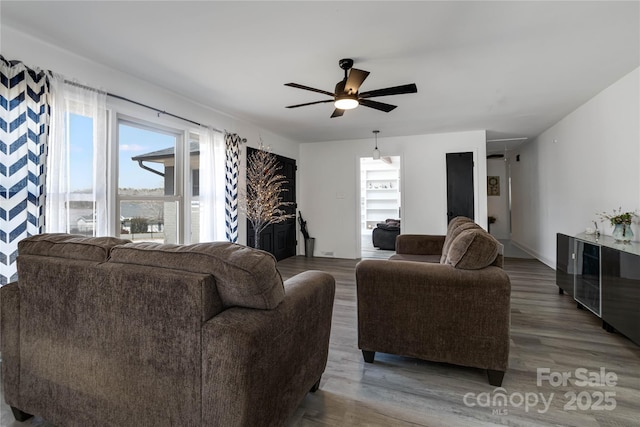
(212, 186)
(67, 99)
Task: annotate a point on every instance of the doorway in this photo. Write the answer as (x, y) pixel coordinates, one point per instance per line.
(460, 188)
(380, 200)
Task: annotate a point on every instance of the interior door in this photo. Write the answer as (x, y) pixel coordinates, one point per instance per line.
(460, 199)
(280, 239)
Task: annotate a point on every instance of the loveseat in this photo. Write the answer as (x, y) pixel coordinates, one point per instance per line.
(440, 298)
(101, 331)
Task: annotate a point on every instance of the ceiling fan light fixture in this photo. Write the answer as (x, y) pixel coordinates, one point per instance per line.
(346, 103)
(346, 95)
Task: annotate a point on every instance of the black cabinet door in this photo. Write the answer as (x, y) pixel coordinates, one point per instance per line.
(565, 256)
(587, 278)
(621, 292)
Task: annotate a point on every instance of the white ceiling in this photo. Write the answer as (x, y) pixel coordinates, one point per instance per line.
(512, 68)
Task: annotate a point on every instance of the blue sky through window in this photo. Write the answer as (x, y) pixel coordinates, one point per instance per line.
(80, 152)
(133, 142)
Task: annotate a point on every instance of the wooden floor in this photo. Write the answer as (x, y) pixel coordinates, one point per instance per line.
(547, 331)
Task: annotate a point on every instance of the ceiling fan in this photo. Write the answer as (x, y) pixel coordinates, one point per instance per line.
(346, 96)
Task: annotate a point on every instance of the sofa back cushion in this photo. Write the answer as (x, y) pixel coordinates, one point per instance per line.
(455, 227)
(473, 249)
(89, 329)
(69, 246)
(245, 277)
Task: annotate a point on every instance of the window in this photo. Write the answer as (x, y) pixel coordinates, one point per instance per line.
(194, 174)
(76, 180)
(114, 175)
(149, 195)
(81, 213)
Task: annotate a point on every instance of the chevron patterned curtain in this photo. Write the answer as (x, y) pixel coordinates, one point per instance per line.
(232, 142)
(24, 118)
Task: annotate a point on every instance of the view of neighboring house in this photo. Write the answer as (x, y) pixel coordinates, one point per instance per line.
(86, 225)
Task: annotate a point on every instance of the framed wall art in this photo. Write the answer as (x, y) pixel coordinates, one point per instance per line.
(493, 185)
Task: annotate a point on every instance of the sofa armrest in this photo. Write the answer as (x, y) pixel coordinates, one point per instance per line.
(10, 340)
(414, 308)
(259, 364)
(419, 244)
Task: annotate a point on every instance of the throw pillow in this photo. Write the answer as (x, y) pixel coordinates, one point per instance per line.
(461, 224)
(472, 250)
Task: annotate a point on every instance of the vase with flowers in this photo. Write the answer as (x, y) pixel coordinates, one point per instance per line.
(621, 222)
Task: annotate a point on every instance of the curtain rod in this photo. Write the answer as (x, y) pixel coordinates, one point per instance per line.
(157, 110)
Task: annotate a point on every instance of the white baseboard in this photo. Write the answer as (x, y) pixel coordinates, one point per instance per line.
(549, 262)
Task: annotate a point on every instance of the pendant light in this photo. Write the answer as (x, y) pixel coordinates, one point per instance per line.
(376, 152)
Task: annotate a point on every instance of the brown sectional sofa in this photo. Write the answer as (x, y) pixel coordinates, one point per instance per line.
(440, 298)
(100, 331)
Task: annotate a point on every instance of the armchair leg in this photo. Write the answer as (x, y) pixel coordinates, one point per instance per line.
(368, 356)
(19, 415)
(495, 377)
(316, 386)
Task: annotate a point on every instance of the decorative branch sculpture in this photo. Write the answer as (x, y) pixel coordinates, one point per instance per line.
(262, 201)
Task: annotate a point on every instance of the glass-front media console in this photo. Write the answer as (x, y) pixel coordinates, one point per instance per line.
(603, 276)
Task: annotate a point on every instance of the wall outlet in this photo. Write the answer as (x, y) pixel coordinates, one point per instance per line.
(330, 253)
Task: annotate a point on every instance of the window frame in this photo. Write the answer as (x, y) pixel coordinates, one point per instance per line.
(182, 194)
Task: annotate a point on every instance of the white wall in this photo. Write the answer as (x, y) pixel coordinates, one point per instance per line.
(329, 185)
(587, 163)
(498, 206)
(34, 52)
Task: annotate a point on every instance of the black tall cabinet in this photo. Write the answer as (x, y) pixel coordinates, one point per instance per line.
(280, 239)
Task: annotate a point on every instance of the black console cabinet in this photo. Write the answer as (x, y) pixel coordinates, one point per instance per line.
(604, 276)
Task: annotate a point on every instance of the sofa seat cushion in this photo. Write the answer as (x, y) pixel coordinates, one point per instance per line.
(69, 246)
(417, 258)
(245, 277)
(473, 249)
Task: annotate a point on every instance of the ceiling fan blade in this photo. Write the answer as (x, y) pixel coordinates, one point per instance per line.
(396, 90)
(298, 86)
(309, 103)
(337, 113)
(355, 79)
(377, 105)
